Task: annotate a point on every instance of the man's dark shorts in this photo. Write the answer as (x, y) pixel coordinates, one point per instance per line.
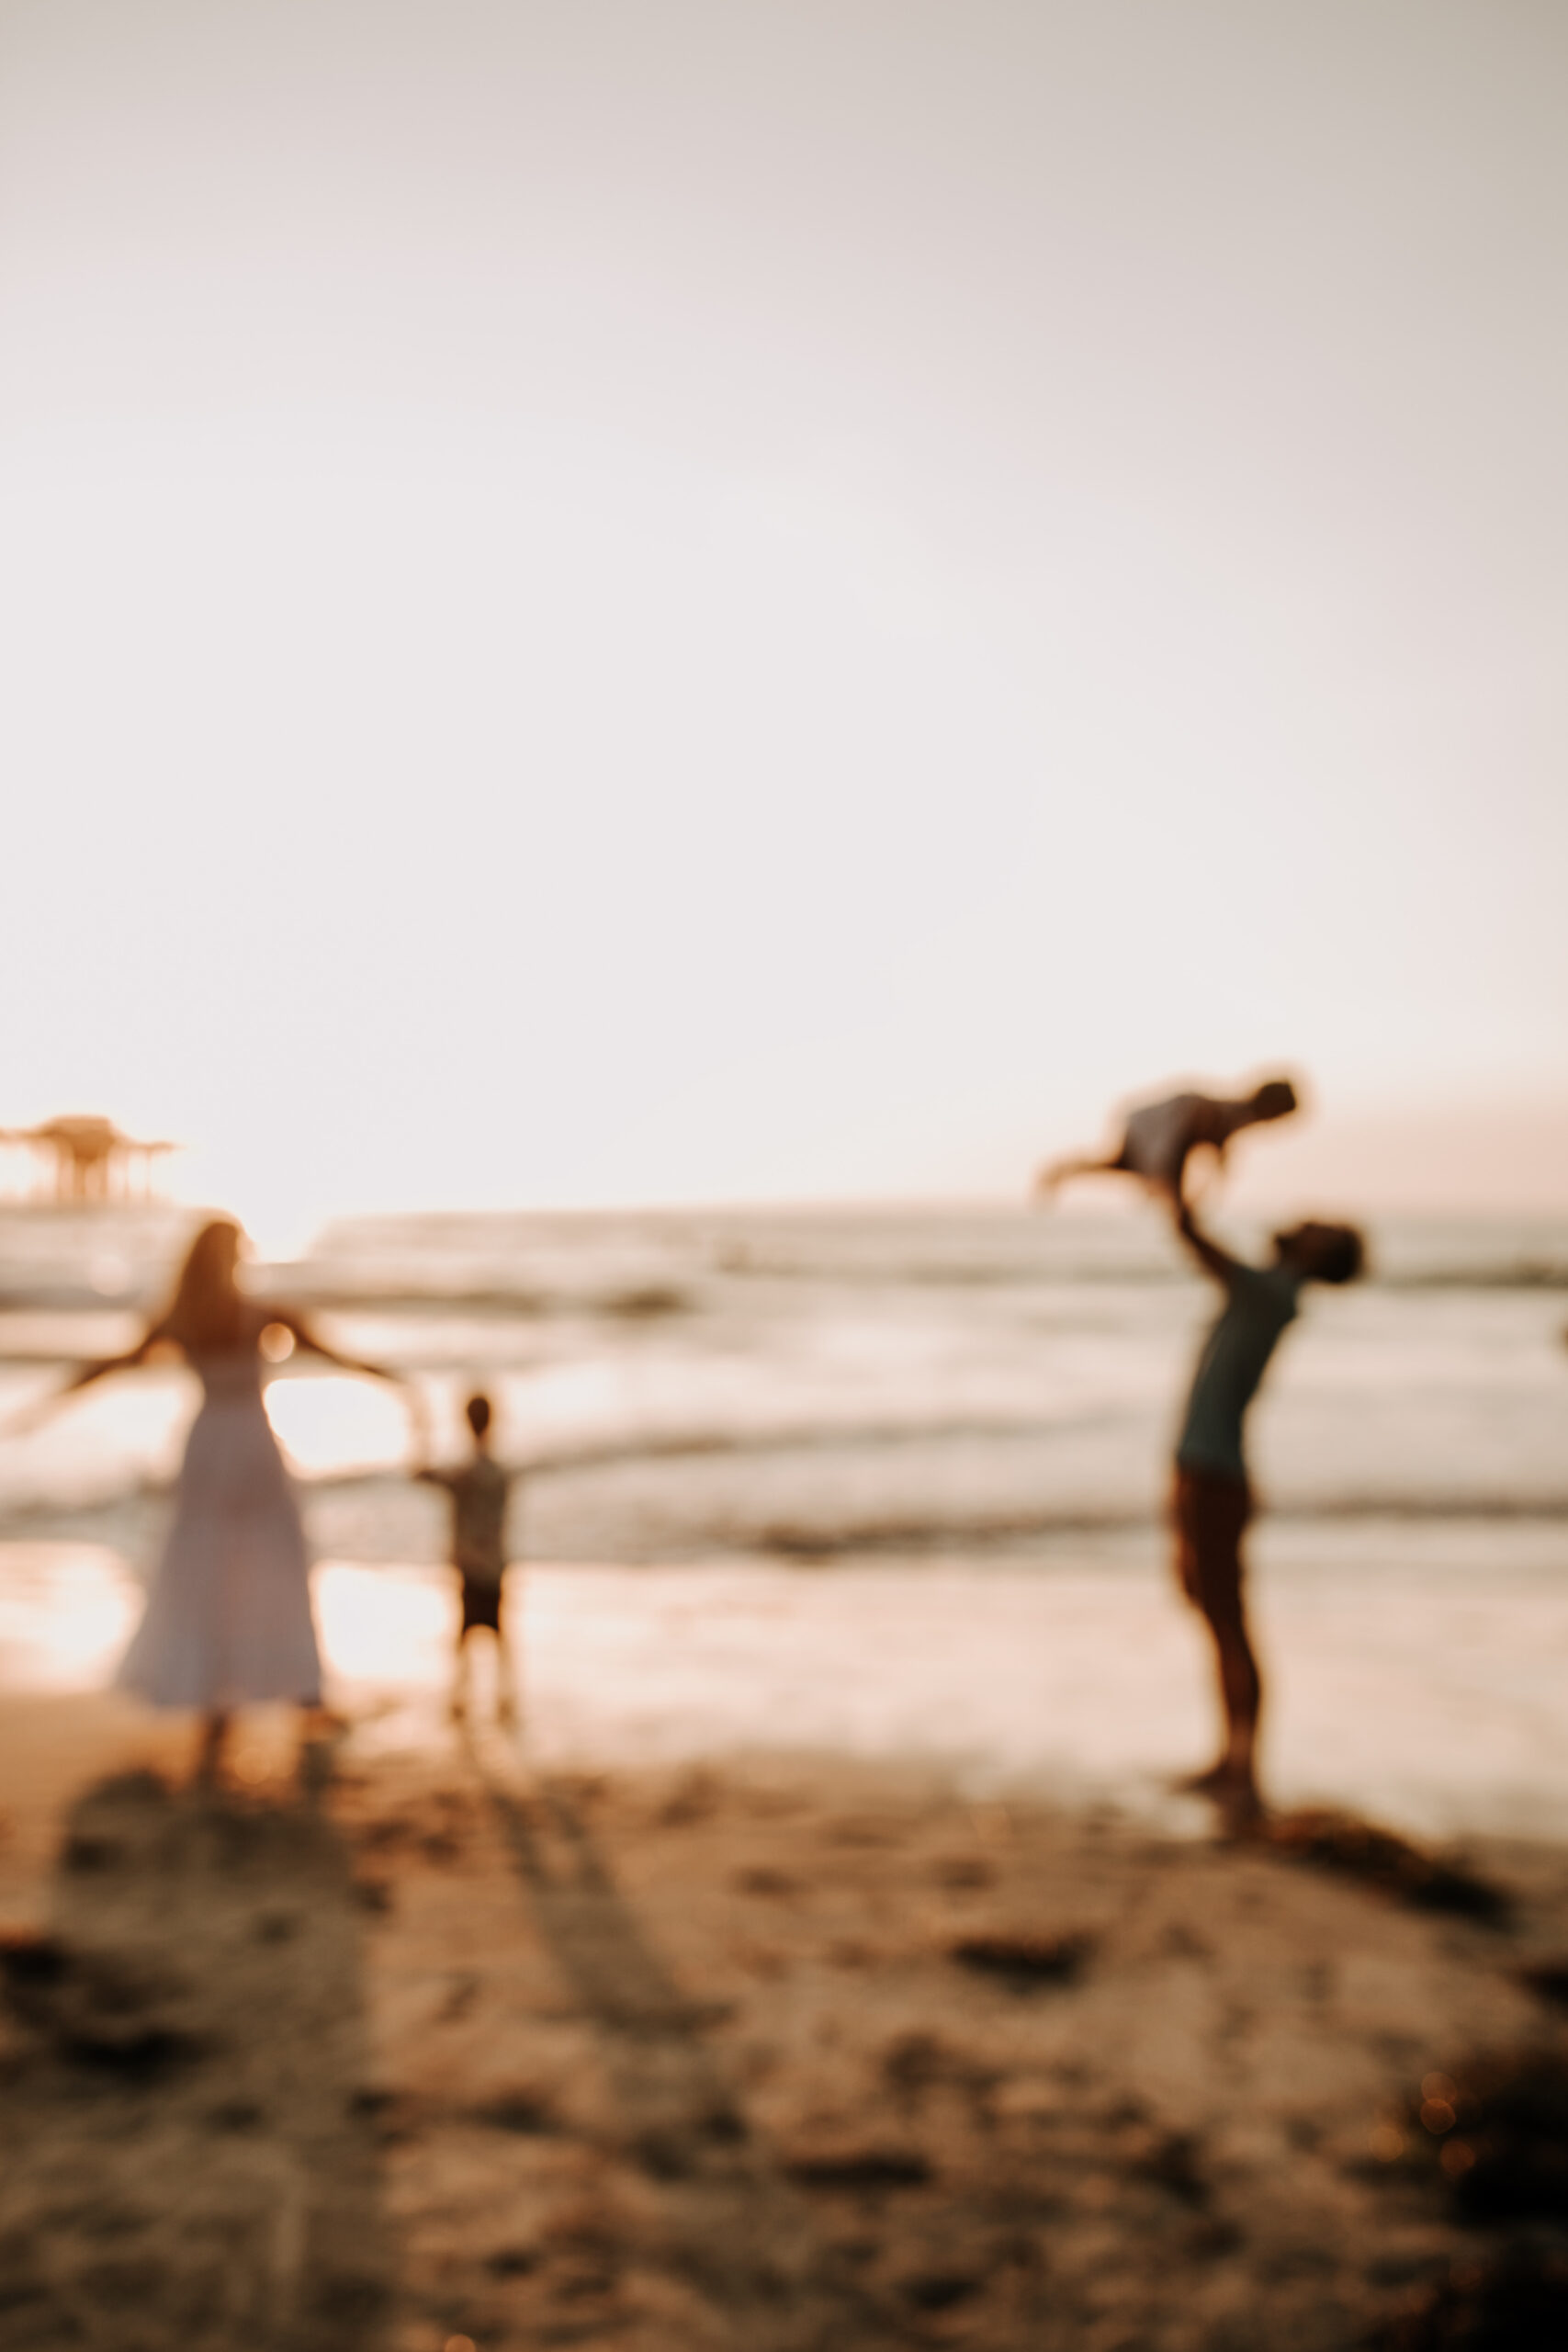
(481, 1604)
(1209, 1513)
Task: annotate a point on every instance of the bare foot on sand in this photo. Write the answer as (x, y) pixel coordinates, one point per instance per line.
(1240, 1807)
(1230, 1787)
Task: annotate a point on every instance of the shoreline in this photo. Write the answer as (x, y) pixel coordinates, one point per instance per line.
(1421, 1685)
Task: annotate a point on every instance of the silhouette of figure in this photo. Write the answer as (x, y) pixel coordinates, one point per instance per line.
(479, 1491)
(1158, 1137)
(1212, 1500)
(228, 1618)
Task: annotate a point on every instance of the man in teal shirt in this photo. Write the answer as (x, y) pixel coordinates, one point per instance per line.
(1212, 1500)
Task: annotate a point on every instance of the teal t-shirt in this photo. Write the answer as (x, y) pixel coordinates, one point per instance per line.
(1260, 1301)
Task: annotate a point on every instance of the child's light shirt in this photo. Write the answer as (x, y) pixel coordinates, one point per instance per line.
(1158, 1135)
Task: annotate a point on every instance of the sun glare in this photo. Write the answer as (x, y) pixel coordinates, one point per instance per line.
(66, 1611)
(384, 1628)
(333, 1425)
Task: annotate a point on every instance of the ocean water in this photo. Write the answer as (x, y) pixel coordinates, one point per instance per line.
(888, 1481)
(808, 1386)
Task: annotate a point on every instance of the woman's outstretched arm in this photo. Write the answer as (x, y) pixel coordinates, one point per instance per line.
(84, 1376)
(413, 1397)
(311, 1339)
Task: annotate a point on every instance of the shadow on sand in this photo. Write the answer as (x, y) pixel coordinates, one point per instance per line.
(1381, 1858)
(188, 2159)
(742, 2234)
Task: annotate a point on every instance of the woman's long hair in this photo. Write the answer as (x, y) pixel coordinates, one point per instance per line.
(207, 1311)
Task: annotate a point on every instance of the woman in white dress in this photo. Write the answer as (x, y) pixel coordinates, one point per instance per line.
(228, 1619)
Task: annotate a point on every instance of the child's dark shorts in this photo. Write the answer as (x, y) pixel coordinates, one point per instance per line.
(1210, 1513)
(482, 1604)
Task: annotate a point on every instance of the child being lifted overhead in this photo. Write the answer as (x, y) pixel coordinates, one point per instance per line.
(1158, 1137)
(479, 1489)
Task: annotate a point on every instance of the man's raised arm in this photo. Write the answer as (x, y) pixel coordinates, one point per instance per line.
(1209, 1256)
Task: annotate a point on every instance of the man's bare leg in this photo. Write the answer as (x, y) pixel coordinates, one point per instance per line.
(1232, 1779)
(210, 1755)
(1210, 1521)
(459, 1702)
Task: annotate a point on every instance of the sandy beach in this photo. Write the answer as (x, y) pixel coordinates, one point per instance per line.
(439, 2046)
(829, 1963)
(785, 834)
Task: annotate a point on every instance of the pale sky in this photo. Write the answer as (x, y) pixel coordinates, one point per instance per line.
(646, 599)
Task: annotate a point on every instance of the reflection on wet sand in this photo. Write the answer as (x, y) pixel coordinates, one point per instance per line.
(1425, 1691)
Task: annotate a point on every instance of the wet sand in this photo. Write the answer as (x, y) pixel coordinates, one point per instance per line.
(1416, 1672)
(793, 2053)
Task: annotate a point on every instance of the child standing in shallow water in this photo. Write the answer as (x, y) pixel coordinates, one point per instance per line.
(479, 1491)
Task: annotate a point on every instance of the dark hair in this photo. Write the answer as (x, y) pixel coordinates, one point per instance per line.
(1343, 1256)
(205, 1310)
(1321, 1253)
(478, 1411)
(1276, 1098)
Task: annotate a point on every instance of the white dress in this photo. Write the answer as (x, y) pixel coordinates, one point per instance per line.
(228, 1618)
